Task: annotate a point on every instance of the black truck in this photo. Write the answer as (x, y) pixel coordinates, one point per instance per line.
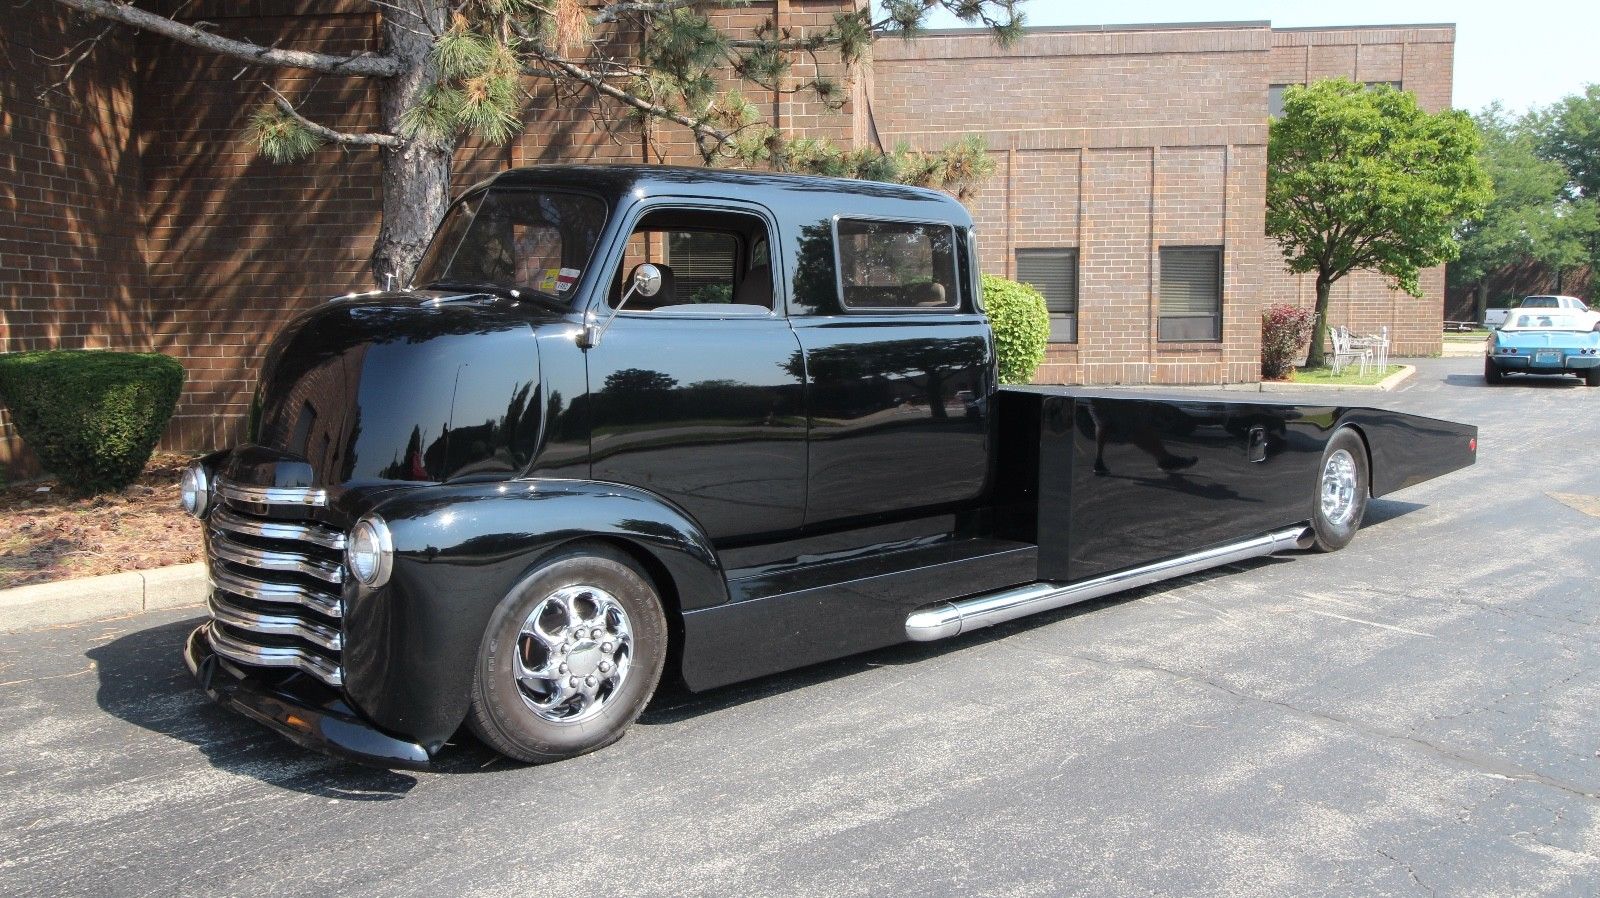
(632, 421)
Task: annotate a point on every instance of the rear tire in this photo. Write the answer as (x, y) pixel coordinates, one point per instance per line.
(1492, 373)
(1591, 377)
(1342, 486)
(570, 657)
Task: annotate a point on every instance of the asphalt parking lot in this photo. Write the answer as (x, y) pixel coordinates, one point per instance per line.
(1414, 715)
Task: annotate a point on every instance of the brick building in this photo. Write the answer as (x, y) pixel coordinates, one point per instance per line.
(1130, 176)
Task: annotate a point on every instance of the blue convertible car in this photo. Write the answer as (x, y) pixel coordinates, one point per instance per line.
(1544, 342)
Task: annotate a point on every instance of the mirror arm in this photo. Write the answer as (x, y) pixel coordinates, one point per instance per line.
(590, 337)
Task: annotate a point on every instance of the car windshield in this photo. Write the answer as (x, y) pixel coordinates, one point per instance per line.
(515, 240)
(1547, 321)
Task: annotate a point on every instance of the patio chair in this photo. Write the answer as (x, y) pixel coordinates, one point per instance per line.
(1377, 343)
(1344, 351)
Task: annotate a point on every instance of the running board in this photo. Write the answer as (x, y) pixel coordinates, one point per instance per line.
(946, 619)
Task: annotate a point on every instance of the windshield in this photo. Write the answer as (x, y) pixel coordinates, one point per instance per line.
(527, 241)
(1540, 302)
(1557, 321)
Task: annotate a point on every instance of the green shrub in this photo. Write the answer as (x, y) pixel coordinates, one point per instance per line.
(1021, 327)
(93, 418)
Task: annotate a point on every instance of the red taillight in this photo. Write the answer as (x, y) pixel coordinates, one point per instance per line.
(1472, 445)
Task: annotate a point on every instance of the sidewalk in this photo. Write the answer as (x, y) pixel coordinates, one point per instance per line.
(93, 598)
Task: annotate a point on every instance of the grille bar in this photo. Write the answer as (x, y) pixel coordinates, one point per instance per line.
(226, 520)
(283, 593)
(272, 495)
(242, 652)
(275, 624)
(261, 559)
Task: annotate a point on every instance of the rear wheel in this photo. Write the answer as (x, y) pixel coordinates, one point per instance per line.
(1592, 377)
(1342, 488)
(570, 658)
(1492, 373)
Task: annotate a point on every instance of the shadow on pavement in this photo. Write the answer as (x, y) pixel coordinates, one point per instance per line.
(1536, 381)
(143, 680)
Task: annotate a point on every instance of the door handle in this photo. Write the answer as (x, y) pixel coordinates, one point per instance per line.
(1257, 449)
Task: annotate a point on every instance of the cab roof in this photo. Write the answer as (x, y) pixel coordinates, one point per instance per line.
(733, 183)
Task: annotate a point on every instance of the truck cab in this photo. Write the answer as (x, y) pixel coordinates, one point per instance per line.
(638, 421)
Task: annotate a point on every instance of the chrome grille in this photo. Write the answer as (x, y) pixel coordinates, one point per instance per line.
(275, 583)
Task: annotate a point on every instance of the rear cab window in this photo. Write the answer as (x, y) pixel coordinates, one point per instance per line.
(887, 265)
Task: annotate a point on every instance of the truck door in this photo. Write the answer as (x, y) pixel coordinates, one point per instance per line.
(900, 370)
(696, 393)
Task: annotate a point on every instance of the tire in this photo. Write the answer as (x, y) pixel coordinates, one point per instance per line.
(1591, 377)
(1492, 373)
(1336, 518)
(535, 630)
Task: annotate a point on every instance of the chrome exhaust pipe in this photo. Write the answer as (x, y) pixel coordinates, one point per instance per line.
(946, 619)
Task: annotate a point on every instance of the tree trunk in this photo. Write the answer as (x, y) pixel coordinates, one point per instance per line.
(416, 175)
(1480, 303)
(1316, 358)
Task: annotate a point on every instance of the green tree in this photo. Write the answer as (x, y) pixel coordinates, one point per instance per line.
(1569, 133)
(453, 68)
(1363, 179)
(1528, 219)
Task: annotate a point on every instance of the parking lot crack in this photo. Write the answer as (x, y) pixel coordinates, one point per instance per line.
(1410, 871)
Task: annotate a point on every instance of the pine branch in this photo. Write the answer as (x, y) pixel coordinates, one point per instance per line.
(323, 132)
(367, 64)
(571, 70)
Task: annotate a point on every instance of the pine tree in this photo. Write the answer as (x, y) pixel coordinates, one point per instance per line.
(454, 69)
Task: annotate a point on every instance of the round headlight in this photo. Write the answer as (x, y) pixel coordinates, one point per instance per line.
(369, 551)
(194, 490)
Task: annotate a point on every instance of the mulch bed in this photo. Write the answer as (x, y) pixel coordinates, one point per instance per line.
(48, 535)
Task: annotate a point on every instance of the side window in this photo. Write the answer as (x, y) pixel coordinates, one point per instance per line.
(706, 259)
(896, 265)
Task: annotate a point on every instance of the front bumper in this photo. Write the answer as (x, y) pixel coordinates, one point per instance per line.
(298, 708)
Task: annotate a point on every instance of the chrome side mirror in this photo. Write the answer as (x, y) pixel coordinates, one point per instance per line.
(646, 282)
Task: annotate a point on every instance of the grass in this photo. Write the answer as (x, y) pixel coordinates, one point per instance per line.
(1473, 336)
(1350, 376)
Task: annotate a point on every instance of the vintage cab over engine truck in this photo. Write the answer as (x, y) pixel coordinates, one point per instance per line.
(633, 421)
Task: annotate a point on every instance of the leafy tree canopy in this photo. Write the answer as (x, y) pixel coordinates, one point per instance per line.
(1363, 178)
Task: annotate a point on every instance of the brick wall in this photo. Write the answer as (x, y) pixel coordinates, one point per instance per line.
(1116, 142)
(71, 222)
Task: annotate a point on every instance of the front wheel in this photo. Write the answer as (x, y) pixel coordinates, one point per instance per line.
(570, 657)
(1492, 373)
(1342, 489)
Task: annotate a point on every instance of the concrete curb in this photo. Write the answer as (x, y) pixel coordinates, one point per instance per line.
(93, 598)
(1392, 382)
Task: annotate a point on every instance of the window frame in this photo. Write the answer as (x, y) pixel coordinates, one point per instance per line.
(1221, 251)
(1077, 294)
(600, 302)
(957, 246)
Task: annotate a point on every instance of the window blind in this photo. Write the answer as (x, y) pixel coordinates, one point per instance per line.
(1191, 293)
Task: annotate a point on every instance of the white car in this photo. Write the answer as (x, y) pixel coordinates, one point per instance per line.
(1571, 304)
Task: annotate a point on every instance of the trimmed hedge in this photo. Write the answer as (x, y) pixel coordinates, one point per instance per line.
(1021, 325)
(92, 417)
(1285, 333)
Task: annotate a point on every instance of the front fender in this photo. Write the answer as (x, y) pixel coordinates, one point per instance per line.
(410, 645)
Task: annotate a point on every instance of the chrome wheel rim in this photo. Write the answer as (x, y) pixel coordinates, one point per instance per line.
(1339, 488)
(573, 654)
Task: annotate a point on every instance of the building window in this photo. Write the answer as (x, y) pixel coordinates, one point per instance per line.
(896, 265)
(1054, 272)
(1191, 293)
(1275, 99)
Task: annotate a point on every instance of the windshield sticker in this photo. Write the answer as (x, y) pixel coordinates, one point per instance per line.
(567, 278)
(552, 277)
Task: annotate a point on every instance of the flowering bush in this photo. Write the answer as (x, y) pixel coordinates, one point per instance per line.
(1285, 331)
